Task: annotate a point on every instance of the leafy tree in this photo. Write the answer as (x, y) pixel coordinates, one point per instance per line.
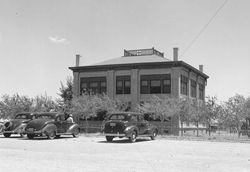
(163, 108)
(236, 112)
(184, 112)
(197, 113)
(212, 111)
(43, 103)
(66, 95)
(11, 105)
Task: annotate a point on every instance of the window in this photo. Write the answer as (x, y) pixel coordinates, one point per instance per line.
(184, 85)
(123, 85)
(201, 92)
(156, 84)
(193, 88)
(96, 85)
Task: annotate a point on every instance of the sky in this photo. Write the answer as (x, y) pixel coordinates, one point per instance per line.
(39, 39)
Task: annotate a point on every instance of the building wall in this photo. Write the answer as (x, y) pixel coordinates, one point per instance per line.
(135, 97)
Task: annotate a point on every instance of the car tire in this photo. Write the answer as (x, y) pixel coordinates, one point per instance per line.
(109, 138)
(133, 136)
(154, 134)
(30, 136)
(51, 135)
(76, 133)
(7, 134)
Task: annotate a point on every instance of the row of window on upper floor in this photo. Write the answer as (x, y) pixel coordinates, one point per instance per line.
(149, 84)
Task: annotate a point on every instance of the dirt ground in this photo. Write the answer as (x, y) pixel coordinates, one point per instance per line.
(93, 153)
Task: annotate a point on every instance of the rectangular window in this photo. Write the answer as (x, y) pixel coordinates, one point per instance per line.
(156, 84)
(193, 88)
(144, 87)
(123, 85)
(201, 92)
(184, 85)
(96, 85)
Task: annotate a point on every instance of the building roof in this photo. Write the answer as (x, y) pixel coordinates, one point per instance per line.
(133, 59)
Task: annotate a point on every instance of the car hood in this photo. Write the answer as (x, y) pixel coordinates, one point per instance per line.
(14, 123)
(38, 124)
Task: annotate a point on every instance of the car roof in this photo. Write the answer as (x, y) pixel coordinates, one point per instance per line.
(126, 113)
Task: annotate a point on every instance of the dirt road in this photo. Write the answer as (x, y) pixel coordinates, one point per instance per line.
(93, 153)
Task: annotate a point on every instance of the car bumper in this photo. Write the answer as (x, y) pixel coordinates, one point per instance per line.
(13, 132)
(115, 134)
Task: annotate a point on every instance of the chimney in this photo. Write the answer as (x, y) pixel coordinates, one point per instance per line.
(77, 59)
(175, 54)
(201, 68)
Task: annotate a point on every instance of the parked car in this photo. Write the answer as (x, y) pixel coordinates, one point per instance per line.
(51, 125)
(128, 124)
(17, 125)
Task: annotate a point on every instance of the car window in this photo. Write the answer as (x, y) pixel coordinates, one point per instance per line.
(22, 116)
(117, 117)
(134, 118)
(45, 117)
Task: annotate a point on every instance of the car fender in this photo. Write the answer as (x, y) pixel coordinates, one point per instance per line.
(152, 128)
(49, 128)
(73, 128)
(128, 130)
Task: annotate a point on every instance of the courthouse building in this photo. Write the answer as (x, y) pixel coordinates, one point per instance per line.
(139, 74)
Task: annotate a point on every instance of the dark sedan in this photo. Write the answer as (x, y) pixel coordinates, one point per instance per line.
(128, 124)
(51, 125)
(17, 125)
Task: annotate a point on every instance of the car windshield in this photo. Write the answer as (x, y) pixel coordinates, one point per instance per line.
(45, 116)
(118, 117)
(22, 116)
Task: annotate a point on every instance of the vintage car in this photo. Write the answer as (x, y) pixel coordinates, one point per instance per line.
(128, 124)
(17, 125)
(51, 125)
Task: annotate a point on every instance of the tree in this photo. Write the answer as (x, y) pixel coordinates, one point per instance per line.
(184, 112)
(212, 111)
(163, 108)
(66, 94)
(43, 103)
(236, 112)
(11, 105)
(197, 113)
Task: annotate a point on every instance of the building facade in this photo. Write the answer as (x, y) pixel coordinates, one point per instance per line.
(138, 75)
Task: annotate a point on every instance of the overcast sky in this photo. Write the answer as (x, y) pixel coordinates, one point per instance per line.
(39, 39)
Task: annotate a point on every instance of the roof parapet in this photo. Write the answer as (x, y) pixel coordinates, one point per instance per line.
(142, 52)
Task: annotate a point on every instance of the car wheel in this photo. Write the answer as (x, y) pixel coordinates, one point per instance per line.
(7, 134)
(76, 133)
(154, 134)
(30, 136)
(109, 138)
(132, 138)
(51, 135)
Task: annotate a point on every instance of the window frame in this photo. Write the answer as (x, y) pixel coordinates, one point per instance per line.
(123, 89)
(162, 88)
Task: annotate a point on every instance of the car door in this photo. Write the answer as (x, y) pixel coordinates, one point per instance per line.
(59, 123)
(142, 125)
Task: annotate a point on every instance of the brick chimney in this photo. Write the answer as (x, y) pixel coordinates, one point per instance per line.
(201, 68)
(175, 54)
(77, 59)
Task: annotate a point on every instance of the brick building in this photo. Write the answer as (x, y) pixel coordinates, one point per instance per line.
(138, 74)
